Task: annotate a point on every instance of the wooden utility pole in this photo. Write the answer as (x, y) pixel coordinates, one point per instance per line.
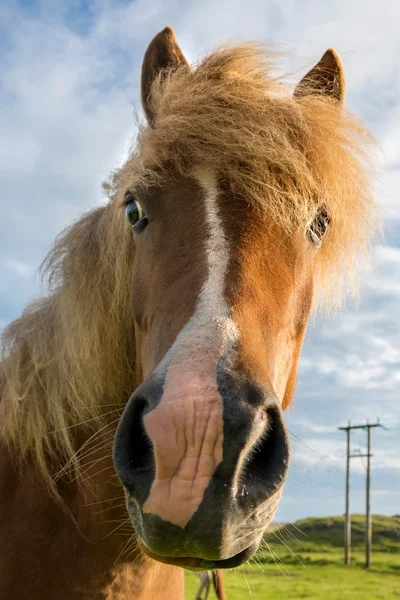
(368, 522)
(347, 526)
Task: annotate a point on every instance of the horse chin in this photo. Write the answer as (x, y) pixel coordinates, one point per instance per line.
(193, 549)
(203, 564)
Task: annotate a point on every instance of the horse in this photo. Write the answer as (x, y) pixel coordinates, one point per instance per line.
(142, 398)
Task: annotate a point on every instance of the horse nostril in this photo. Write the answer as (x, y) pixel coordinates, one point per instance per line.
(133, 450)
(265, 469)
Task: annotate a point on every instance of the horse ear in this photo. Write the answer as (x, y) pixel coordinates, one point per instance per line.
(162, 53)
(326, 78)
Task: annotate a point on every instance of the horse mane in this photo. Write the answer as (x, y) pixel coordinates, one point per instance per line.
(71, 354)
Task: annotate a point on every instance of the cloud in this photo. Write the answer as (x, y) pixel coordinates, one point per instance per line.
(68, 89)
(17, 267)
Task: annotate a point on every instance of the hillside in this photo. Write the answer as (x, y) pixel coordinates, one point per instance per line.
(321, 534)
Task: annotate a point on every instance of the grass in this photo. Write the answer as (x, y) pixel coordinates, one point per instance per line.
(305, 560)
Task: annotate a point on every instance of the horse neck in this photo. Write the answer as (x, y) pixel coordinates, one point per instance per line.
(81, 546)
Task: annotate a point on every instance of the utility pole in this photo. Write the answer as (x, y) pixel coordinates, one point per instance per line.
(368, 522)
(348, 517)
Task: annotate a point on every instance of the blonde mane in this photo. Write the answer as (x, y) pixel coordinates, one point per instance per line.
(72, 354)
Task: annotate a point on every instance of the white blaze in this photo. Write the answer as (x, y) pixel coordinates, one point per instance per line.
(211, 322)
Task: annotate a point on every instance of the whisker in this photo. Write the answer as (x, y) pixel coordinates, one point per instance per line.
(284, 528)
(120, 525)
(101, 501)
(75, 456)
(297, 529)
(103, 443)
(89, 466)
(247, 583)
(126, 547)
(96, 474)
(290, 550)
(258, 562)
(113, 507)
(96, 418)
(277, 561)
(106, 442)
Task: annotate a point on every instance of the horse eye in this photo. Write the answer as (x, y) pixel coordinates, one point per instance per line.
(133, 211)
(317, 228)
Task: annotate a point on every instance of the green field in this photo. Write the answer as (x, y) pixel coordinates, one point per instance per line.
(305, 560)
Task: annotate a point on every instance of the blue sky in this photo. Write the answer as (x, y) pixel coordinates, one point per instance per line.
(69, 80)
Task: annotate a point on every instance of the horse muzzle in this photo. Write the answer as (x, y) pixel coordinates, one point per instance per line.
(203, 463)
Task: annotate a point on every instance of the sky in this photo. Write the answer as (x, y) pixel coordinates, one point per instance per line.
(69, 80)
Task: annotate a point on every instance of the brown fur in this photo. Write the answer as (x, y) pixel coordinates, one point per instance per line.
(274, 273)
(87, 552)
